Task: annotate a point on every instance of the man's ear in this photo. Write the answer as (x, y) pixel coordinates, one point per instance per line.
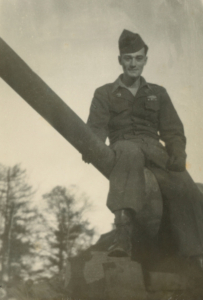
(119, 59)
(146, 60)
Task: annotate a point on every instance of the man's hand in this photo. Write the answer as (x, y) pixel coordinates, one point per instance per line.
(176, 164)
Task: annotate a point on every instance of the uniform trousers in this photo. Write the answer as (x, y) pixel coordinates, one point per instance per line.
(182, 200)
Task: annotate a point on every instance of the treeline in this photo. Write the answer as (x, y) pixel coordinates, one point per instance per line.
(36, 242)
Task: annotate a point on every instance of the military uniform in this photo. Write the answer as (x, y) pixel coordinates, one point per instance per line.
(116, 113)
(135, 119)
(142, 119)
(134, 126)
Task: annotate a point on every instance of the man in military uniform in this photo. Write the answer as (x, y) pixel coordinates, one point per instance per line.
(135, 115)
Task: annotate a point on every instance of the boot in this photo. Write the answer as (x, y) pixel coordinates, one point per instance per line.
(122, 244)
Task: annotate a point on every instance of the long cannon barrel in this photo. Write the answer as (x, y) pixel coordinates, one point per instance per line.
(16, 73)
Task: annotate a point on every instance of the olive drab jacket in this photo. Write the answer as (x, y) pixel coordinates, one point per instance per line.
(117, 114)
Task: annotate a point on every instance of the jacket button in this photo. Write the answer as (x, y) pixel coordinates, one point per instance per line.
(148, 125)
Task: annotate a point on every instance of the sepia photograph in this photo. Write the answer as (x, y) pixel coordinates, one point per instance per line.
(101, 165)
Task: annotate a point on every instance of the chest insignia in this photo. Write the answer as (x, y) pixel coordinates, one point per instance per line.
(118, 95)
(152, 98)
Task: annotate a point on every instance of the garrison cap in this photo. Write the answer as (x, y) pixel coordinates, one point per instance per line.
(130, 42)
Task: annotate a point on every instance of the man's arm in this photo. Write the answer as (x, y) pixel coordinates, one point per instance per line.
(172, 133)
(99, 114)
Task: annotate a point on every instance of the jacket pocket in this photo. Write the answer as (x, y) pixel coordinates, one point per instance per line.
(152, 105)
(119, 105)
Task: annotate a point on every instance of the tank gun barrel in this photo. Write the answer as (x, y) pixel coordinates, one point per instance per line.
(19, 76)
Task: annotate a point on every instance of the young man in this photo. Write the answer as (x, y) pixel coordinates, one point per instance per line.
(135, 115)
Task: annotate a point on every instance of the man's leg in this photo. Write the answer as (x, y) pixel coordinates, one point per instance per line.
(126, 194)
(127, 181)
(122, 244)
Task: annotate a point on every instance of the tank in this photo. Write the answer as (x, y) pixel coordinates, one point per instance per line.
(101, 278)
(19, 76)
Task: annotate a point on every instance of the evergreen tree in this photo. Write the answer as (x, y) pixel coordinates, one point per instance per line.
(16, 219)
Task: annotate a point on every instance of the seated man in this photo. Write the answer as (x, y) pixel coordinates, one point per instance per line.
(135, 115)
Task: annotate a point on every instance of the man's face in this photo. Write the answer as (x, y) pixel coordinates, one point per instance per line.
(133, 63)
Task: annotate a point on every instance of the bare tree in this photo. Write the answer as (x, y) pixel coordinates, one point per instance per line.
(68, 231)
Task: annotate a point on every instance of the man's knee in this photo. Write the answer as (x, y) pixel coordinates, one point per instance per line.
(128, 148)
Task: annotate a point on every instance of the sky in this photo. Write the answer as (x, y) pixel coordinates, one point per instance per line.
(73, 47)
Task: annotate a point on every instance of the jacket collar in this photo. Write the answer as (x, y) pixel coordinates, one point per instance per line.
(118, 84)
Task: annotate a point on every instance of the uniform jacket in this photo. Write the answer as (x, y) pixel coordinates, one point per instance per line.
(115, 113)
